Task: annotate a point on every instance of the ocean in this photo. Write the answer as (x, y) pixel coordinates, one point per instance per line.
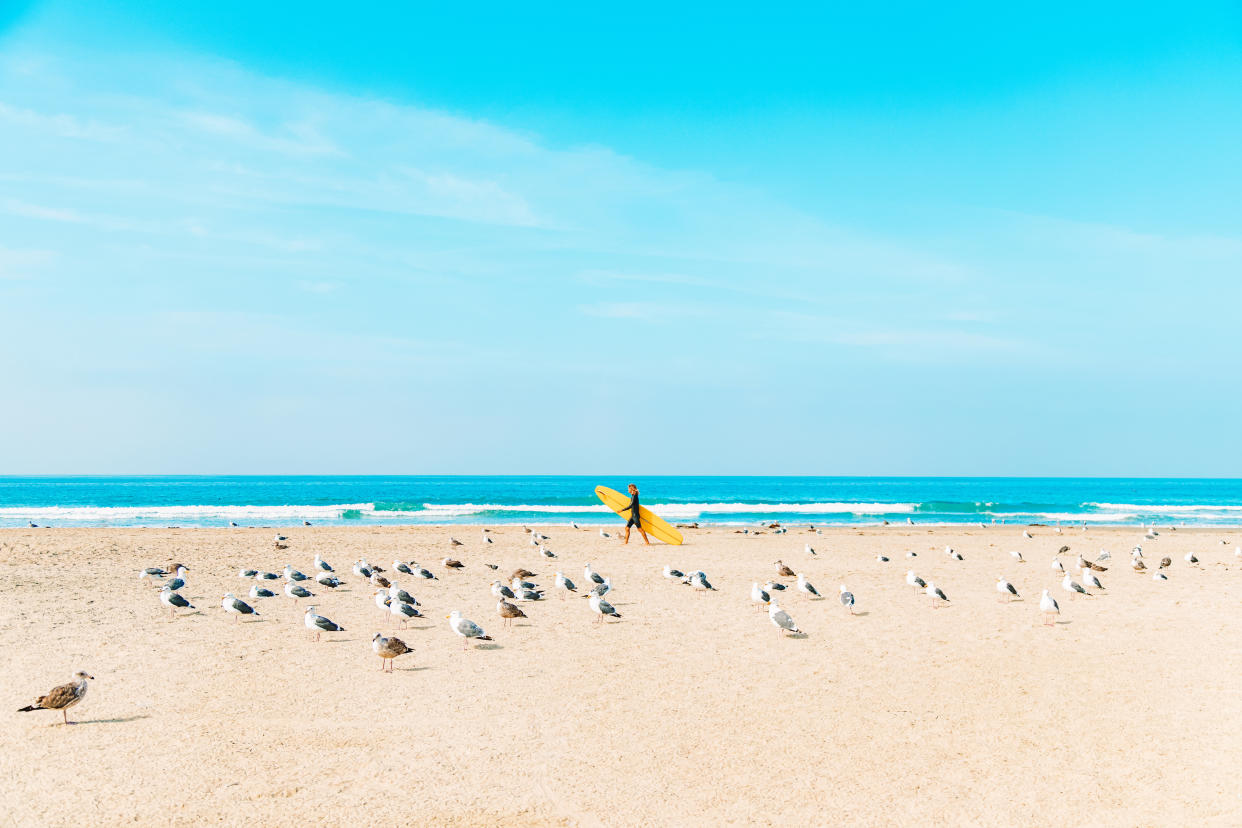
(348, 501)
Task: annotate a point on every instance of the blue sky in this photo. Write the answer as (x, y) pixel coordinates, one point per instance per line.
(558, 240)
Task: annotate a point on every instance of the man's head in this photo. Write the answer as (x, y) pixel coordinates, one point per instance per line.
(633, 489)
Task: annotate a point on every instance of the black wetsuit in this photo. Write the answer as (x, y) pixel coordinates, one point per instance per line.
(636, 519)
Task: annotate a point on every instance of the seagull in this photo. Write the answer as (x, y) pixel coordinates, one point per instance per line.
(379, 580)
(808, 549)
(955, 555)
(1166, 562)
(423, 572)
(847, 599)
(1083, 563)
(1138, 565)
(881, 558)
(912, 554)
(576, 526)
(466, 628)
(486, 539)
(1136, 552)
(673, 574)
(178, 580)
(1017, 556)
(564, 584)
(491, 566)
(382, 600)
(604, 534)
(1190, 558)
(318, 624)
(267, 576)
(602, 608)
(398, 594)
(452, 564)
(257, 591)
(1104, 555)
(296, 591)
(280, 538)
(1057, 566)
(500, 590)
(455, 542)
(1026, 534)
(293, 575)
(1006, 589)
(62, 697)
(759, 595)
(522, 572)
(914, 580)
(388, 649)
(773, 586)
(247, 573)
(784, 623)
(1073, 587)
(591, 576)
(784, 571)
(805, 586)
(232, 523)
(174, 601)
(362, 570)
(1159, 576)
(518, 583)
(699, 581)
(327, 579)
(602, 589)
(1049, 607)
(527, 594)
(936, 594)
(402, 567)
(508, 612)
(306, 523)
(320, 563)
(231, 603)
(547, 553)
(403, 611)
(1089, 578)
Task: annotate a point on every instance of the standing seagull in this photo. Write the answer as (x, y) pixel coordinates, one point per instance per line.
(936, 594)
(698, 580)
(321, 564)
(296, 591)
(673, 574)
(847, 599)
(388, 649)
(564, 585)
(1049, 607)
(602, 608)
(1073, 587)
(590, 576)
(784, 571)
(232, 604)
(174, 601)
(178, 580)
(808, 549)
(318, 624)
(914, 580)
(63, 697)
(1017, 556)
(508, 612)
(759, 595)
(466, 628)
(784, 623)
(1006, 590)
(294, 575)
(1089, 578)
(805, 586)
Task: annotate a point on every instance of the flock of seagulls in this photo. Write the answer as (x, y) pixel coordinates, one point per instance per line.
(519, 590)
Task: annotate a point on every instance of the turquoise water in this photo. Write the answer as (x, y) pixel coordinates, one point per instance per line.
(286, 501)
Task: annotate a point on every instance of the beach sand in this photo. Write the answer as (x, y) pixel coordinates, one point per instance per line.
(690, 710)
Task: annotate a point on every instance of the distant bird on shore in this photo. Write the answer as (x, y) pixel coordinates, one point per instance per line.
(698, 580)
(296, 591)
(398, 594)
(1073, 587)
(177, 581)
(1083, 563)
(673, 574)
(306, 523)
(1190, 558)
(881, 558)
(1159, 576)
(1103, 556)
(576, 526)
(1166, 562)
(501, 591)
(323, 565)
(280, 538)
(153, 572)
(455, 542)
(808, 549)
(784, 571)
(62, 697)
(508, 612)
(604, 534)
(361, 569)
(954, 554)
(774, 586)
(1026, 534)
(450, 563)
(379, 580)
(914, 580)
(1138, 564)
(232, 523)
(1006, 589)
(912, 554)
(564, 584)
(847, 599)
(293, 574)
(522, 572)
(1017, 556)
(388, 649)
(257, 591)
(1057, 566)
(402, 611)
(400, 566)
(174, 601)
(466, 628)
(1089, 579)
(327, 579)
(1049, 607)
(759, 596)
(603, 609)
(591, 576)
(232, 604)
(936, 594)
(266, 576)
(806, 586)
(487, 539)
(546, 552)
(318, 624)
(782, 620)
(423, 572)
(602, 589)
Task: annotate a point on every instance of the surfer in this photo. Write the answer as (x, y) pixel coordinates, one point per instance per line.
(636, 518)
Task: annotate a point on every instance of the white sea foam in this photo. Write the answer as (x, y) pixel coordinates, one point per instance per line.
(1149, 508)
(172, 514)
(680, 510)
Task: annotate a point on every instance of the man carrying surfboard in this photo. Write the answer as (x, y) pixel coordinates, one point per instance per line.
(636, 517)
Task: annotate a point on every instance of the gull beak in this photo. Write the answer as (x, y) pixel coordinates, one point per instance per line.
(448, 616)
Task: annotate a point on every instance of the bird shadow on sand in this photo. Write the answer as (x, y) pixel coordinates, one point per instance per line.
(1064, 623)
(411, 669)
(491, 646)
(423, 627)
(117, 720)
(862, 614)
(796, 635)
(338, 640)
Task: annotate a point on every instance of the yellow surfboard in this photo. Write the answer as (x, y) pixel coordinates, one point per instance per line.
(654, 525)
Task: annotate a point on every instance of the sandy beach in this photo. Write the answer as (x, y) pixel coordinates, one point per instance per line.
(690, 710)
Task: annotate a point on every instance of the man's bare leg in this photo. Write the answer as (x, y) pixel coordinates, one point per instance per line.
(627, 534)
(644, 534)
